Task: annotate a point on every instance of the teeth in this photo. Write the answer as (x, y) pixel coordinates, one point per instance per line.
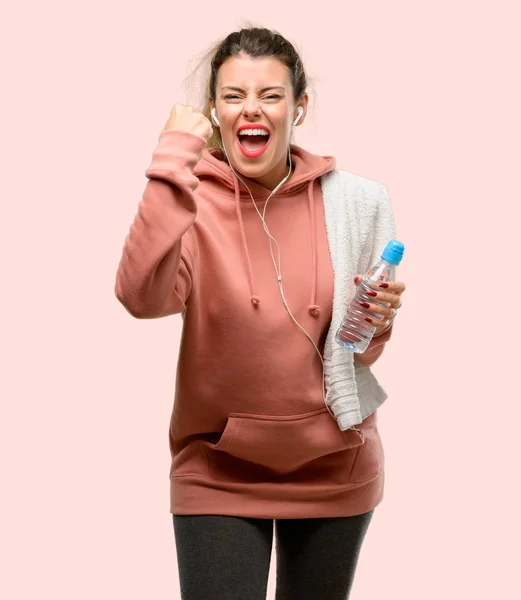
(253, 132)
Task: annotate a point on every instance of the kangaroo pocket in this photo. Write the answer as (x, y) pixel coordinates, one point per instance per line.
(282, 443)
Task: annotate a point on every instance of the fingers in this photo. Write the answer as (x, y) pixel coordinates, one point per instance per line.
(390, 298)
(381, 327)
(383, 320)
(385, 311)
(394, 286)
(380, 324)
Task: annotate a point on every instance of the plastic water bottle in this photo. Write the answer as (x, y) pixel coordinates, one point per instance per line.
(355, 332)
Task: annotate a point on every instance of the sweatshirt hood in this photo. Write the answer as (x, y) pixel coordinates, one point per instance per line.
(306, 168)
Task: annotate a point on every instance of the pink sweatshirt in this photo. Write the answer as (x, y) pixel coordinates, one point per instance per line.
(250, 434)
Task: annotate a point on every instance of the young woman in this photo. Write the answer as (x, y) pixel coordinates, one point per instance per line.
(254, 449)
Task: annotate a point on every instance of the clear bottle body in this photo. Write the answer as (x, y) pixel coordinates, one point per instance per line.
(355, 333)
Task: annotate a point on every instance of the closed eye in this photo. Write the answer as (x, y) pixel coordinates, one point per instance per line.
(230, 96)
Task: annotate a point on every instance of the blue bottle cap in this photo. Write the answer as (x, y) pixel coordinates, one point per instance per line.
(393, 252)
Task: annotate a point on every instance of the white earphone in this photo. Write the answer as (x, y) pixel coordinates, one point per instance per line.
(216, 120)
(300, 113)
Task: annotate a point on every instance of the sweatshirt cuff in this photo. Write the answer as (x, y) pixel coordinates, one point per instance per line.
(176, 151)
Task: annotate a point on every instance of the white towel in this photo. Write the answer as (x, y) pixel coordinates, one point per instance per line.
(359, 224)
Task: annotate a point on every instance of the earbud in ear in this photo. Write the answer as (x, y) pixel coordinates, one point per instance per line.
(300, 113)
(214, 117)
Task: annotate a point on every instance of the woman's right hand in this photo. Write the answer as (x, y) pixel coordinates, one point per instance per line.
(189, 119)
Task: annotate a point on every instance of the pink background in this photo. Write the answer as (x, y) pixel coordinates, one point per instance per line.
(421, 96)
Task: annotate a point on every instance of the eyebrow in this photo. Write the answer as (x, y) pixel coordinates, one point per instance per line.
(265, 89)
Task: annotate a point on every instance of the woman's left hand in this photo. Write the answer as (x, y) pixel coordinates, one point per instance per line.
(390, 294)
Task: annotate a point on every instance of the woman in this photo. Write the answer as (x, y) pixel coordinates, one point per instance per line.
(253, 447)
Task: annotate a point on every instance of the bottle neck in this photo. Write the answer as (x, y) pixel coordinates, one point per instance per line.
(388, 262)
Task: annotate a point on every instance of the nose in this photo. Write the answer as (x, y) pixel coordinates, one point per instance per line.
(251, 106)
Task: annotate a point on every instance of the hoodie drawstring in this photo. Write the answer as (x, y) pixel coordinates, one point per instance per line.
(254, 298)
(314, 308)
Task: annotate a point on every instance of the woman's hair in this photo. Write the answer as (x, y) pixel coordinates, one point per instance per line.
(254, 42)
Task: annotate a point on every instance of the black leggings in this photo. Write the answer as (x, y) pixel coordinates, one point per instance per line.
(229, 557)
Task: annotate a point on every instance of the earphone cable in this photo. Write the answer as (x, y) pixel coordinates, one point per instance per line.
(279, 275)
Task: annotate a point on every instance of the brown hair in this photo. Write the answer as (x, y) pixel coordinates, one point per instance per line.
(254, 42)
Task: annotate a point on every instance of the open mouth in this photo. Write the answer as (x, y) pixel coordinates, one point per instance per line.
(253, 143)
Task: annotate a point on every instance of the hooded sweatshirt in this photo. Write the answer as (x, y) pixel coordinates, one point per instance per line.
(249, 434)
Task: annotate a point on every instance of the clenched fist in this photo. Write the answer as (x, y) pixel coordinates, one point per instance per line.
(189, 119)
